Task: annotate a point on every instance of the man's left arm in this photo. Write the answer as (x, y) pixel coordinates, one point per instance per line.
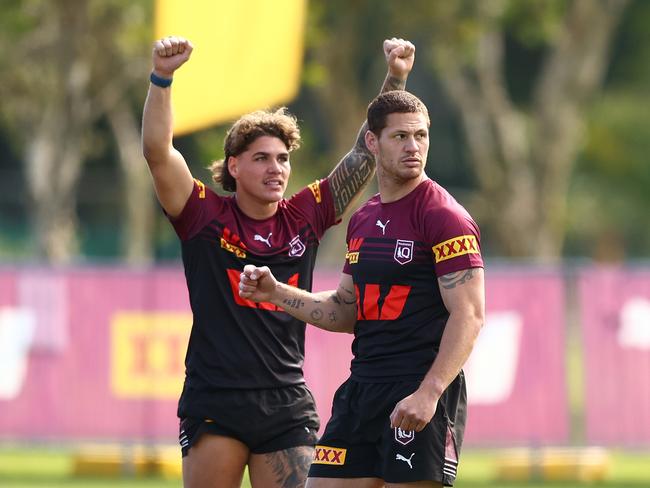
(463, 294)
(355, 169)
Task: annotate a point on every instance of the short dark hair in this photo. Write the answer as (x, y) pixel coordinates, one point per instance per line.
(393, 102)
(279, 123)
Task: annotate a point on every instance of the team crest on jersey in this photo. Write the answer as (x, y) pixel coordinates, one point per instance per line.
(329, 455)
(296, 247)
(404, 436)
(403, 251)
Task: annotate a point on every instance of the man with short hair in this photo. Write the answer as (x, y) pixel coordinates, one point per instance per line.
(244, 401)
(412, 292)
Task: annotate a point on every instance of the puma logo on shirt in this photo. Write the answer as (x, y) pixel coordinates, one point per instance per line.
(266, 240)
(381, 225)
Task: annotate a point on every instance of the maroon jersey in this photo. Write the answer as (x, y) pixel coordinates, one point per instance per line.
(234, 342)
(396, 252)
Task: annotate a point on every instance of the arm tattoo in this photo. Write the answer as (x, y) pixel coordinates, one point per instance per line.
(338, 299)
(352, 294)
(351, 174)
(290, 466)
(293, 303)
(357, 167)
(316, 314)
(332, 316)
(450, 280)
(393, 83)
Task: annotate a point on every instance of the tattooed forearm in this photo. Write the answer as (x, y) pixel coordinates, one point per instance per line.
(339, 299)
(392, 83)
(293, 303)
(352, 297)
(451, 280)
(350, 176)
(357, 167)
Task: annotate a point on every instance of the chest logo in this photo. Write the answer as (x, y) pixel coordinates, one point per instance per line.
(382, 226)
(353, 250)
(296, 247)
(266, 241)
(403, 251)
(404, 436)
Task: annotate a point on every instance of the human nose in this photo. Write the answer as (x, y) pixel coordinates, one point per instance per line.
(411, 144)
(275, 166)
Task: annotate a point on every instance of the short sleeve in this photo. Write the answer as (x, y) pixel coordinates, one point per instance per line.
(197, 211)
(456, 241)
(316, 205)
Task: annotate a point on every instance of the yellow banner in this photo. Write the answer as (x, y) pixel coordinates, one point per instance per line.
(247, 56)
(148, 353)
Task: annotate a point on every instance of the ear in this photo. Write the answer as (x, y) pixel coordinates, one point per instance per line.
(371, 142)
(233, 166)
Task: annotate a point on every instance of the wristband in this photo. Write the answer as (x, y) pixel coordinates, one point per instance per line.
(158, 81)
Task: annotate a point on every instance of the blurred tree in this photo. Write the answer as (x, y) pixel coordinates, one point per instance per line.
(66, 64)
(523, 151)
(609, 196)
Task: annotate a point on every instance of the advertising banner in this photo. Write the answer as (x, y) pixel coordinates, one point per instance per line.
(615, 311)
(98, 354)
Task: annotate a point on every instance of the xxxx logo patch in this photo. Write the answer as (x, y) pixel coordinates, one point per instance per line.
(458, 246)
(329, 455)
(315, 189)
(201, 188)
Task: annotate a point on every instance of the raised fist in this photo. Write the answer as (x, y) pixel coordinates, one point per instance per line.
(169, 54)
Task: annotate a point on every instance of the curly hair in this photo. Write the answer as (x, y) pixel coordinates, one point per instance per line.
(393, 102)
(279, 123)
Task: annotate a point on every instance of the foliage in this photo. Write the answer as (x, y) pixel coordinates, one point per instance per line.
(343, 69)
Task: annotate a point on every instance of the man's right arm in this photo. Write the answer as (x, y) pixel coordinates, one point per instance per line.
(354, 171)
(172, 179)
(333, 310)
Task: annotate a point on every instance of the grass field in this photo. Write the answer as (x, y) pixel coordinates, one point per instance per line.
(31, 468)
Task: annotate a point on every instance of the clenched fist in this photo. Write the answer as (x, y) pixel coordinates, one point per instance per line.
(169, 54)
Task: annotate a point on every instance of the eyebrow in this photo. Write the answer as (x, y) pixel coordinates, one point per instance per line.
(404, 131)
(264, 153)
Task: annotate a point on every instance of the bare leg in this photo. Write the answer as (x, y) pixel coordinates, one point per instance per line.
(415, 484)
(215, 462)
(344, 483)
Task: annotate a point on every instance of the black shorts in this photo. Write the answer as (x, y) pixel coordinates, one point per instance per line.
(265, 420)
(358, 441)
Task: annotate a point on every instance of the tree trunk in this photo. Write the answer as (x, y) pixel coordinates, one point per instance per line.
(524, 160)
(140, 215)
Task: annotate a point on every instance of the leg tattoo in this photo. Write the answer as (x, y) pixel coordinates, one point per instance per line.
(290, 466)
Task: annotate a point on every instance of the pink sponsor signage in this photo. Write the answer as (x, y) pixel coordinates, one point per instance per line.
(80, 341)
(98, 354)
(615, 318)
(516, 373)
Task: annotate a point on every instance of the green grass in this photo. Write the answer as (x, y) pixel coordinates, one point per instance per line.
(478, 469)
(48, 467)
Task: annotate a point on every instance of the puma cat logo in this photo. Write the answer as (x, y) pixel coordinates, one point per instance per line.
(382, 225)
(399, 457)
(265, 241)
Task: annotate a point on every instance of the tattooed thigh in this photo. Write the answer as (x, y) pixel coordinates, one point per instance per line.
(281, 469)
